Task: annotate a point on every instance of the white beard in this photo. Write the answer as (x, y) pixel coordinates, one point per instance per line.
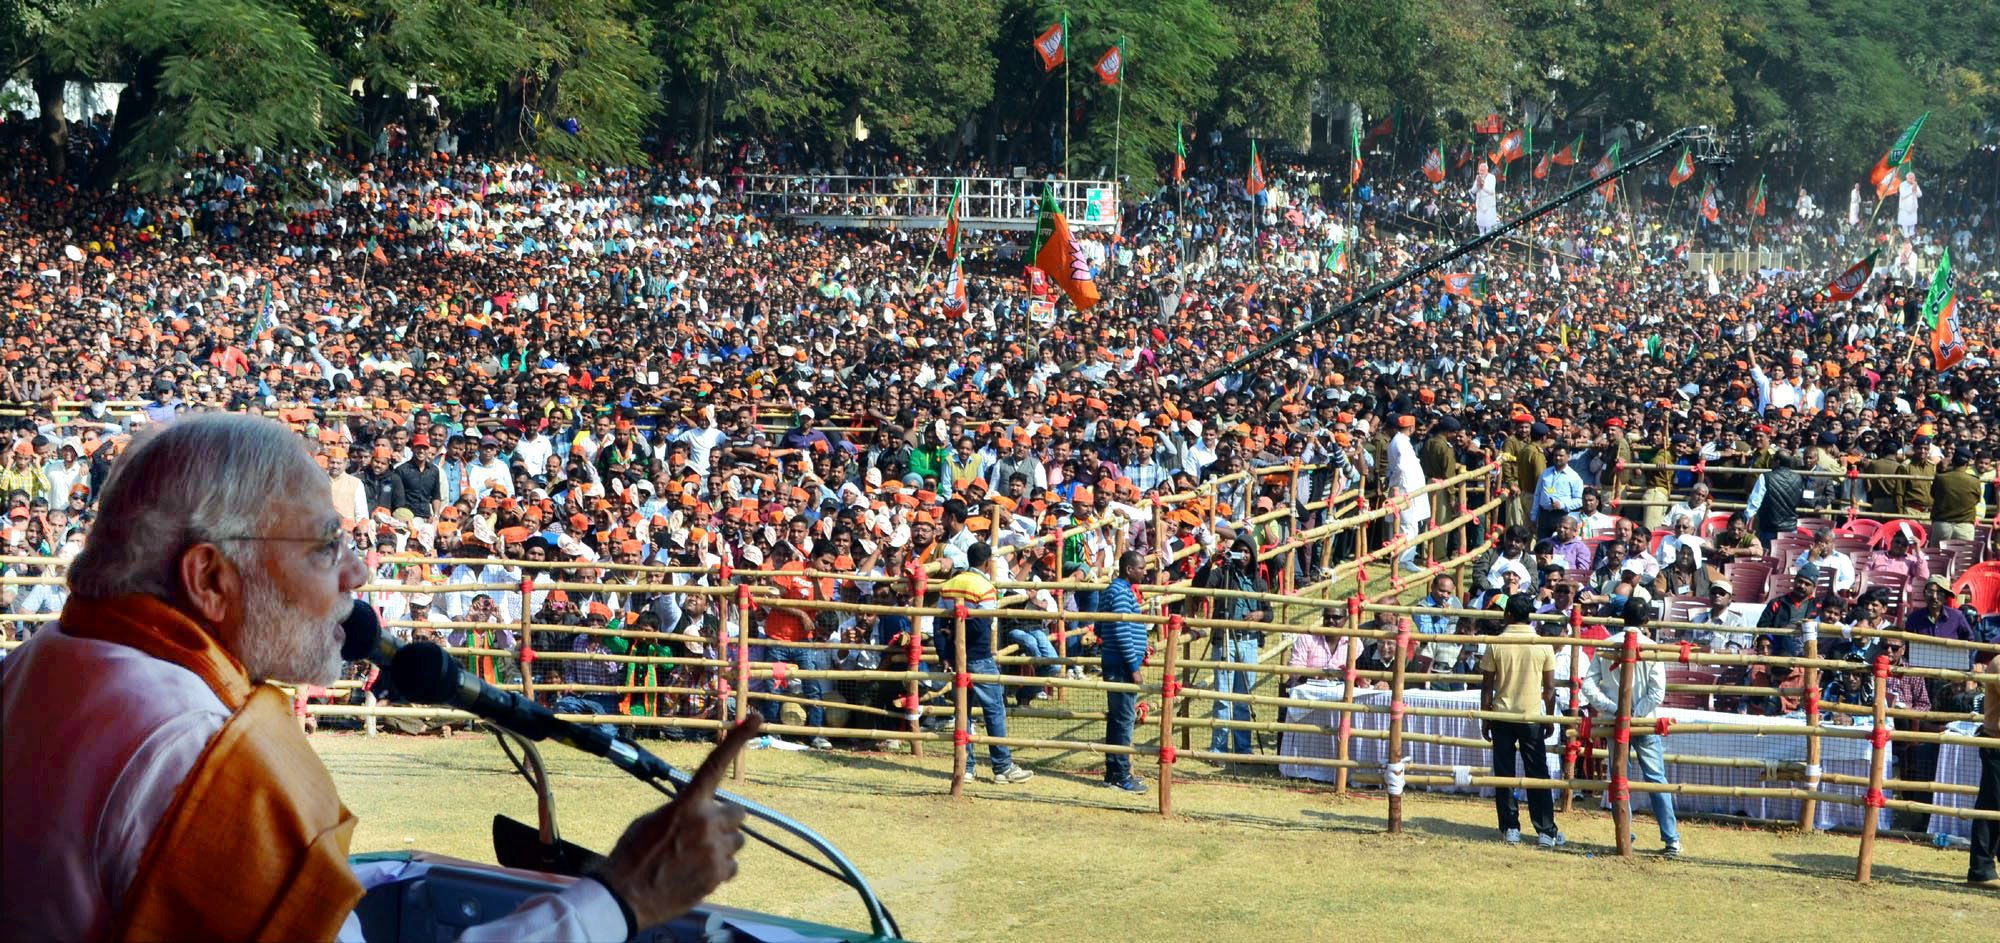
(280, 642)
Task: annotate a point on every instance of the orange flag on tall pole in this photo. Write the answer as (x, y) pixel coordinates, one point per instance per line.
(1057, 257)
(1052, 46)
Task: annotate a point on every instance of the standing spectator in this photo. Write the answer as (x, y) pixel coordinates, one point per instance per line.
(1558, 493)
(786, 626)
(1235, 571)
(1520, 678)
(1124, 652)
(1956, 493)
(970, 588)
(1986, 832)
(1649, 688)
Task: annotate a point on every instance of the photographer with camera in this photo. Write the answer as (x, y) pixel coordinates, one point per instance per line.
(1235, 570)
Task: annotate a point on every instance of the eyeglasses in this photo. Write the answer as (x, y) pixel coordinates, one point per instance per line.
(329, 553)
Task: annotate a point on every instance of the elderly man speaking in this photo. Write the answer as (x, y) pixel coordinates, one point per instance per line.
(156, 786)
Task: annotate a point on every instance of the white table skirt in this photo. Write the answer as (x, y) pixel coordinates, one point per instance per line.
(1844, 756)
(1959, 764)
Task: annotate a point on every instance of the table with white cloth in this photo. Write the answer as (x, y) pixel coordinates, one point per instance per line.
(1837, 755)
(1957, 764)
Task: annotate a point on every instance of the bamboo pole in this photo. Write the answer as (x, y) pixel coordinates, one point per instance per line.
(1169, 688)
(1342, 746)
(1394, 771)
(960, 718)
(526, 656)
(743, 606)
(1578, 741)
(1809, 810)
(914, 651)
(1621, 751)
(1878, 762)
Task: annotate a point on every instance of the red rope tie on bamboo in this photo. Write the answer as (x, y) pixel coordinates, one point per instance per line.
(1812, 702)
(528, 655)
(1881, 666)
(1876, 799)
(1583, 727)
(1621, 789)
(724, 571)
(1168, 755)
(722, 687)
(1142, 712)
(1879, 738)
(1700, 467)
(1396, 710)
(1663, 725)
(1687, 649)
(780, 671)
(962, 737)
(1622, 735)
(1572, 750)
(1170, 688)
(962, 679)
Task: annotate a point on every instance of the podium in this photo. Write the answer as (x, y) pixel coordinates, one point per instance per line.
(419, 897)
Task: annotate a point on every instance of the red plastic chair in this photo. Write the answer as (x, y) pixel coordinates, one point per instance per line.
(1979, 585)
(1714, 524)
(1747, 580)
(1859, 527)
(1882, 535)
(1658, 535)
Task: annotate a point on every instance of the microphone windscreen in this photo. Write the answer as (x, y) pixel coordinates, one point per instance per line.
(424, 673)
(364, 627)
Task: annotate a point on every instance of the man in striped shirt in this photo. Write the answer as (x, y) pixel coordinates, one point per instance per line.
(1124, 653)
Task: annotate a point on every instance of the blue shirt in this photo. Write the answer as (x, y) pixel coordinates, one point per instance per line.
(1438, 625)
(1559, 489)
(1123, 643)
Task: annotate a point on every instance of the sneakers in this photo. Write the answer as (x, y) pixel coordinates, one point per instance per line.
(1551, 841)
(1673, 850)
(1512, 836)
(1013, 774)
(821, 743)
(1131, 784)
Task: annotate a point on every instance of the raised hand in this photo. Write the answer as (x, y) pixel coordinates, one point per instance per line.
(671, 858)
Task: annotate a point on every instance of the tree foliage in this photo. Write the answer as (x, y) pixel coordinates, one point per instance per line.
(1829, 80)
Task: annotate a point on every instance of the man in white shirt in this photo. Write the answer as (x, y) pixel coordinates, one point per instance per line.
(1406, 477)
(1823, 555)
(1649, 688)
(488, 470)
(188, 803)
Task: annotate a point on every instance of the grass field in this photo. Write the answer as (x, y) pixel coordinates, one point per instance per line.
(1060, 859)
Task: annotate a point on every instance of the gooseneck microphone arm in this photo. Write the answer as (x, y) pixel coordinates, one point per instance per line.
(425, 674)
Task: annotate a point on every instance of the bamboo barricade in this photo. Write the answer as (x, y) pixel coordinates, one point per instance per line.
(961, 734)
(1878, 762)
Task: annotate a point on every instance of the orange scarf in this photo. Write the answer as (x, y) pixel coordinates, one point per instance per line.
(254, 844)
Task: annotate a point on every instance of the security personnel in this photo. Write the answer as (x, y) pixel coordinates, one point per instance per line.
(1955, 492)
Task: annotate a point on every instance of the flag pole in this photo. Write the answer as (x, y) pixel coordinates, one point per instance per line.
(1066, 109)
(1256, 256)
(1118, 123)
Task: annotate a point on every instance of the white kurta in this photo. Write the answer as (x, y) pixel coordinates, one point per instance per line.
(1486, 202)
(99, 736)
(1406, 475)
(1907, 195)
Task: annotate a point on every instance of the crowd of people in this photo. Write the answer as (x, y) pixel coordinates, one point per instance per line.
(497, 363)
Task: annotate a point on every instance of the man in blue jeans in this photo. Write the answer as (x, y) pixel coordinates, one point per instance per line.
(1649, 688)
(1235, 570)
(1123, 647)
(970, 588)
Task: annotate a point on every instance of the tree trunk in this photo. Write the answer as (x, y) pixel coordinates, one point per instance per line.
(55, 127)
(704, 125)
(136, 104)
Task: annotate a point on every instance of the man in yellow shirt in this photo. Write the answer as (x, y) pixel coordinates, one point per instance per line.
(970, 587)
(1520, 678)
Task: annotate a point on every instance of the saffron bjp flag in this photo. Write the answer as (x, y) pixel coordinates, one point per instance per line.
(1056, 255)
(1569, 154)
(954, 290)
(1111, 66)
(1605, 165)
(1434, 164)
(1849, 283)
(1941, 313)
(1254, 184)
(1053, 44)
(1180, 153)
(1683, 169)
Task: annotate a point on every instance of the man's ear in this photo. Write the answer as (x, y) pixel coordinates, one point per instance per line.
(209, 582)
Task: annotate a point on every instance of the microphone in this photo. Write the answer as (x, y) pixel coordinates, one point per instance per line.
(365, 639)
(426, 675)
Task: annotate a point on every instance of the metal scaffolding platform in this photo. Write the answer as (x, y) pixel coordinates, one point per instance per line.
(920, 202)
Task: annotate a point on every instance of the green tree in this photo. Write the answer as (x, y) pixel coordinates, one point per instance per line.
(1265, 87)
(202, 75)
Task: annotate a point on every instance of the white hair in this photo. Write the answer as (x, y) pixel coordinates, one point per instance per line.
(198, 479)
